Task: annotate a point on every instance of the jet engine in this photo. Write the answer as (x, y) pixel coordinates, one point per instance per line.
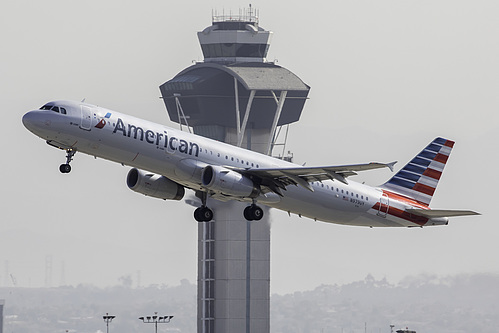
(154, 185)
(228, 182)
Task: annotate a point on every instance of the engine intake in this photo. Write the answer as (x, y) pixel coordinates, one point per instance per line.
(228, 182)
(154, 185)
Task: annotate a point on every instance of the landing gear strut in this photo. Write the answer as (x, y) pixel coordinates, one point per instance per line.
(66, 168)
(203, 213)
(253, 213)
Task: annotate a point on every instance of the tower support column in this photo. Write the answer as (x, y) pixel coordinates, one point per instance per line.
(241, 275)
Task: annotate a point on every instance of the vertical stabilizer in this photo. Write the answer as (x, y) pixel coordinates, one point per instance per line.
(419, 178)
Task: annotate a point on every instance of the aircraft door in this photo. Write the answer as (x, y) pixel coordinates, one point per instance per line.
(384, 204)
(86, 117)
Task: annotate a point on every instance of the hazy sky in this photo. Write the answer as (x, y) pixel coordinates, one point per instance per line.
(386, 78)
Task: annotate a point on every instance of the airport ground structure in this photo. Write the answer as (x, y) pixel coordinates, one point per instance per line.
(236, 96)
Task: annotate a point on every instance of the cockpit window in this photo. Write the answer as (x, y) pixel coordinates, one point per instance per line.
(53, 108)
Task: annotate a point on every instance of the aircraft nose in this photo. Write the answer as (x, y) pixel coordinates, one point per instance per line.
(28, 120)
(32, 120)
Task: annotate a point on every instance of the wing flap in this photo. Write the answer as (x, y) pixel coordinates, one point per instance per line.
(279, 178)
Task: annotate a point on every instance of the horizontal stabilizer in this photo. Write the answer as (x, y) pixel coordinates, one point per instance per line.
(435, 213)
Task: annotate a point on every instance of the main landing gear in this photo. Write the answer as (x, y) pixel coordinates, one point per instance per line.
(66, 168)
(253, 213)
(203, 213)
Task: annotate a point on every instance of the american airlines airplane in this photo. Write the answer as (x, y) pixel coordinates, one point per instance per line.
(166, 161)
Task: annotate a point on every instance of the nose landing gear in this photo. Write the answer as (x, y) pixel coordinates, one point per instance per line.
(66, 168)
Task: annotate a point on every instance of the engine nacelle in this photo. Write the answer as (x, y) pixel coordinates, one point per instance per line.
(154, 185)
(228, 182)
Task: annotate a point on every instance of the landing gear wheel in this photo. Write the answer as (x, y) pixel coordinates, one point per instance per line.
(253, 213)
(65, 168)
(203, 214)
(257, 213)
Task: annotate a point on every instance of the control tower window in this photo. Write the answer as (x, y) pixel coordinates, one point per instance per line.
(231, 50)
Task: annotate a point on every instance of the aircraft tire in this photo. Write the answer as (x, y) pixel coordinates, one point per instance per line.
(203, 214)
(65, 168)
(247, 213)
(253, 213)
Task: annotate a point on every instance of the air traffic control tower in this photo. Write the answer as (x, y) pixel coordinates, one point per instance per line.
(236, 96)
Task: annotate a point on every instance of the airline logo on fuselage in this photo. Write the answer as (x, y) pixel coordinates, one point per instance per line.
(103, 122)
(161, 140)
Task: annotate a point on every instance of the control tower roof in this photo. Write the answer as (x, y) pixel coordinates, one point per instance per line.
(258, 76)
(207, 93)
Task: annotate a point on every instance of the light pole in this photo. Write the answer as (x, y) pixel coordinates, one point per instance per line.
(155, 320)
(107, 319)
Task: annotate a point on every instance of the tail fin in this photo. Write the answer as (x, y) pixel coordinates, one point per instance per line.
(419, 178)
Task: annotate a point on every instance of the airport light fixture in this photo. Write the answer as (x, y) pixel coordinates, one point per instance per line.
(155, 320)
(107, 319)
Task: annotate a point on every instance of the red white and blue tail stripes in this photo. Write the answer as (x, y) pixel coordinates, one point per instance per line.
(419, 178)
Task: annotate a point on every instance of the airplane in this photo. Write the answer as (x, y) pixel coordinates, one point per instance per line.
(165, 161)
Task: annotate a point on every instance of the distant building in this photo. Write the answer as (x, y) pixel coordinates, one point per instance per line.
(2, 303)
(406, 331)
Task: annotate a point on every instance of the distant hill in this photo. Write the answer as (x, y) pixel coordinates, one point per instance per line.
(426, 304)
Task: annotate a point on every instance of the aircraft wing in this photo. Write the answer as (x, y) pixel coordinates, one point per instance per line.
(278, 178)
(434, 213)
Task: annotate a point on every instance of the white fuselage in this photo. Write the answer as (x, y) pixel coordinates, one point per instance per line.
(181, 156)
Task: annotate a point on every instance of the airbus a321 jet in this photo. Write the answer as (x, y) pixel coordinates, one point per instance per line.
(166, 161)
